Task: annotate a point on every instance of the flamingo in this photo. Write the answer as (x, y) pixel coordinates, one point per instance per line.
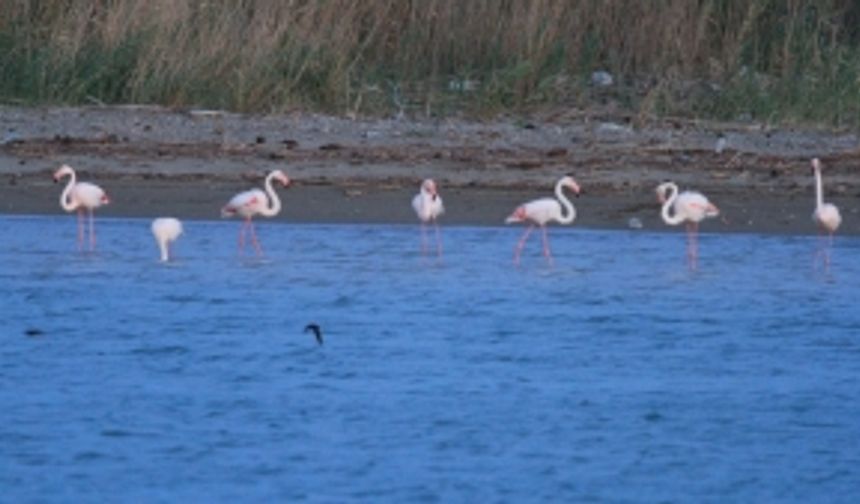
(826, 215)
(249, 203)
(541, 211)
(689, 206)
(166, 230)
(428, 205)
(78, 196)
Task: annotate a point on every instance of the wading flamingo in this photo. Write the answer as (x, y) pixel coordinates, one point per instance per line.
(690, 207)
(249, 203)
(166, 230)
(428, 205)
(826, 215)
(80, 196)
(541, 211)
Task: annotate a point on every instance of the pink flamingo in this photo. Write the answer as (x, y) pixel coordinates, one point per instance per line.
(826, 215)
(166, 230)
(689, 206)
(249, 203)
(541, 211)
(78, 196)
(428, 205)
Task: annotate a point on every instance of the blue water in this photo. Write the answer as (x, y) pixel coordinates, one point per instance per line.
(618, 375)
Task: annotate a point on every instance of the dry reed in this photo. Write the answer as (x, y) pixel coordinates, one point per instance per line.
(775, 60)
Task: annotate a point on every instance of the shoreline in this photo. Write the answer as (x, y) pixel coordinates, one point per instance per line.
(154, 162)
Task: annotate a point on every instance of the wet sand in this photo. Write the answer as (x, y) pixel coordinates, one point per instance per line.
(155, 162)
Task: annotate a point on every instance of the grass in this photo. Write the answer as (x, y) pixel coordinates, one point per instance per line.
(779, 61)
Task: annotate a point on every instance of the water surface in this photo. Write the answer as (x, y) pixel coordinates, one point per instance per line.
(616, 375)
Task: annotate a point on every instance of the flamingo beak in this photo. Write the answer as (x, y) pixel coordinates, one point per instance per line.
(105, 199)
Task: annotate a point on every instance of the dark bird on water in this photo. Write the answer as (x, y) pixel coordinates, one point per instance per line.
(316, 330)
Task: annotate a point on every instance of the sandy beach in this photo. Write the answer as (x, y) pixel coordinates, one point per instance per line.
(187, 164)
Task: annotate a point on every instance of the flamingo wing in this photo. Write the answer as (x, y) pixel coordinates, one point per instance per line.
(427, 207)
(418, 206)
(167, 228)
(694, 206)
(89, 195)
(828, 217)
(436, 207)
(246, 203)
(542, 210)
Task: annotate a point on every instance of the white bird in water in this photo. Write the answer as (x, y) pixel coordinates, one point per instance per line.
(166, 230)
(542, 211)
(826, 215)
(428, 206)
(249, 203)
(80, 196)
(690, 207)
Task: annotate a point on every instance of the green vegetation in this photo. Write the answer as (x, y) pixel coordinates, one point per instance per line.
(781, 61)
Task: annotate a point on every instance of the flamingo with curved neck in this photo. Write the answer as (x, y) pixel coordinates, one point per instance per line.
(428, 206)
(80, 197)
(689, 206)
(826, 215)
(253, 202)
(542, 211)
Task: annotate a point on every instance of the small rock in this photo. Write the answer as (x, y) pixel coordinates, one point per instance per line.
(634, 223)
(609, 128)
(602, 78)
(10, 138)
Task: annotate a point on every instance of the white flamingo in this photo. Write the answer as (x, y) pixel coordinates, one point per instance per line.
(166, 230)
(542, 211)
(688, 207)
(826, 215)
(80, 196)
(428, 206)
(249, 203)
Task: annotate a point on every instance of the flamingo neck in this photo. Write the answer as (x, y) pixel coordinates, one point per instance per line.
(672, 220)
(65, 198)
(819, 190)
(569, 213)
(162, 245)
(275, 206)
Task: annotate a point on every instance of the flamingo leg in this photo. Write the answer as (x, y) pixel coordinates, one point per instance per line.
(92, 230)
(692, 246)
(819, 249)
(519, 248)
(242, 235)
(254, 240)
(438, 239)
(423, 238)
(546, 251)
(80, 229)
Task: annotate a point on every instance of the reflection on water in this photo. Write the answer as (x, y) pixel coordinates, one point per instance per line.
(615, 375)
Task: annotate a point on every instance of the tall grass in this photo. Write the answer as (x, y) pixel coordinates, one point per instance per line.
(773, 60)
